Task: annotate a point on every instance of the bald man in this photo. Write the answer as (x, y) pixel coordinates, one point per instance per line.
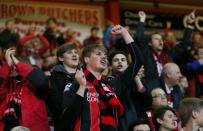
(168, 81)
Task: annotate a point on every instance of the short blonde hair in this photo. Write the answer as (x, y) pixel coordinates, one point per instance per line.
(20, 128)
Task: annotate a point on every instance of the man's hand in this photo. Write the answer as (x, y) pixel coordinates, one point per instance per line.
(119, 30)
(10, 58)
(191, 17)
(80, 77)
(142, 16)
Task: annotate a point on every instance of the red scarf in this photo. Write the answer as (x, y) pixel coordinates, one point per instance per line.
(107, 98)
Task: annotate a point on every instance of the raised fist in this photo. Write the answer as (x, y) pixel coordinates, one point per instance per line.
(142, 16)
(191, 17)
(118, 30)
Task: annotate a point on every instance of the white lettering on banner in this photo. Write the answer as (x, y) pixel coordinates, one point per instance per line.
(198, 20)
(92, 97)
(76, 16)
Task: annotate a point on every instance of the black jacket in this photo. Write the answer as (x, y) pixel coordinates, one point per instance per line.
(60, 81)
(72, 99)
(176, 53)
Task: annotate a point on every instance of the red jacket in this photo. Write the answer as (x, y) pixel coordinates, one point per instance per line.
(33, 108)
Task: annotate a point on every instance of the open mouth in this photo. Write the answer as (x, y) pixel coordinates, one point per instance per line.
(74, 59)
(119, 66)
(174, 123)
(103, 62)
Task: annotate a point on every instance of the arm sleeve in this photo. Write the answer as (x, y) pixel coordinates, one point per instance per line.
(72, 103)
(36, 77)
(4, 75)
(178, 51)
(141, 39)
(128, 75)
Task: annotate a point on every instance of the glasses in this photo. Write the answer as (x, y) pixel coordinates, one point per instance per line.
(160, 96)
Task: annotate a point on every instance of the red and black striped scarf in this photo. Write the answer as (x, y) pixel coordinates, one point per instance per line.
(107, 97)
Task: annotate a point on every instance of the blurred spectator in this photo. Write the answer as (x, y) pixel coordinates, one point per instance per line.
(155, 54)
(195, 74)
(53, 34)
(184, 85)
(33, 47)
(93, 38)
(169, 37)
(197, 40)
(70, 37)
(22, 88)
(107, 36)
(191, 113)
(9, 34)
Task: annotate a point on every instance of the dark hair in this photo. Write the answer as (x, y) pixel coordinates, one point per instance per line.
(87, 51)
(113, 53)
(8, 39)
(62, 49)
(139, 122)
(51, 19)
(66, 47)
(94, 28)
(159, 113)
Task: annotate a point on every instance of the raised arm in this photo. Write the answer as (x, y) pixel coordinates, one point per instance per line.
(177, 51)
(128, 75)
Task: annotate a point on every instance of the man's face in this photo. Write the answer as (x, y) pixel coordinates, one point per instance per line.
(159, 97)
(70, 58)
(169, 120)
(200, 53)
(95, 33)
(141, 127)
(174, 75)
(52, 25)
(199, 119)
(197, 40)
(119, 63)
(97, 60)
(10, 25)
(157, 42)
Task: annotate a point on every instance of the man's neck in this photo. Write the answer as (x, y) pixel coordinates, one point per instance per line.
(97, 74)
(191, 126)
(157, 51)
(70, 69)
(164, 129)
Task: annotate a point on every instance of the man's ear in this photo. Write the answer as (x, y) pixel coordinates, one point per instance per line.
(159, 120)
(194, 114)
(60, 59)
(86, 60)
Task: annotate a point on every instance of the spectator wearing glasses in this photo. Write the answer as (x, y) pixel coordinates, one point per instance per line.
(158, 99)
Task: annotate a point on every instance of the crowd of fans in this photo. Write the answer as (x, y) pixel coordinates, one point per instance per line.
(123, 82)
